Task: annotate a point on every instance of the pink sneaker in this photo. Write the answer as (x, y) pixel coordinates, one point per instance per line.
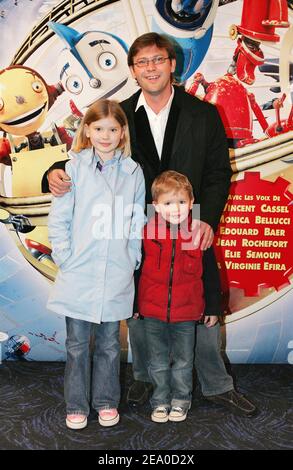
(76, 421)
(108, 417)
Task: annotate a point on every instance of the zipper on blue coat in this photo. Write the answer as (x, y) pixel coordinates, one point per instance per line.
(171, 279)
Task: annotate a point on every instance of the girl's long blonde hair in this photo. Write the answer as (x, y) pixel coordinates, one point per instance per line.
(99, 110)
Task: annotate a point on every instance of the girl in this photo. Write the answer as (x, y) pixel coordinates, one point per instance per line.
(95, 232)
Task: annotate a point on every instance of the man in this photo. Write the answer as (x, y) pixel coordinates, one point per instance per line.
(170, 129)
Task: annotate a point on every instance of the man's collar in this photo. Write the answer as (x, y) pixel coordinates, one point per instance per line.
(142, 101)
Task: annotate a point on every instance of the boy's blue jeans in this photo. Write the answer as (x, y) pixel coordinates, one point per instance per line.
(171, 354)
(101, 386)
(209, 364)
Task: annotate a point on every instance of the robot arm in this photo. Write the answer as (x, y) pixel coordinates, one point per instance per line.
(198, 80)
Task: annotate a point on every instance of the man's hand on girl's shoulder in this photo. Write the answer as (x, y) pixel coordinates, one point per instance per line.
(59, 182)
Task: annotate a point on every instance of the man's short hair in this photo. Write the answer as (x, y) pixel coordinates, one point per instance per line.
(150, 39)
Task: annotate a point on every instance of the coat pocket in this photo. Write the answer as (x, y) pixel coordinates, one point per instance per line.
(191, 261)
(159, 252)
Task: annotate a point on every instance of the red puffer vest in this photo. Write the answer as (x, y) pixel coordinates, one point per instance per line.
(170, 285)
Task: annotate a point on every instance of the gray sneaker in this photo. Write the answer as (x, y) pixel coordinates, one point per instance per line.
(178, 413)
(160, 414)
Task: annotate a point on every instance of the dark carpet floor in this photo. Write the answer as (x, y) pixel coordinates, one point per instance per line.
(32, 414)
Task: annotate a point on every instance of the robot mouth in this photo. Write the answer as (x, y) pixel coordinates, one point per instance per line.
(25, 118)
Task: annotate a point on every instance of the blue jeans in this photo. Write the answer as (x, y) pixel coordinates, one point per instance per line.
(137, 339)
(171, 353)
(101, 386)
(209, 363)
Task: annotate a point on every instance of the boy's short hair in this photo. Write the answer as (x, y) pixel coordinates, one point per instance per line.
(171, 181)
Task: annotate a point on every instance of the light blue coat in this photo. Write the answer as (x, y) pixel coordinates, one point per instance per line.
(95, 277)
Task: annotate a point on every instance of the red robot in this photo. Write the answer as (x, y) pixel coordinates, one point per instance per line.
(258, 23)
(236, 107)
(234, 102)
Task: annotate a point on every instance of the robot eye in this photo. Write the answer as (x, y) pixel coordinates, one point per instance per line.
(1, 104)
(107, 61)
(74, 84)
(37, 86)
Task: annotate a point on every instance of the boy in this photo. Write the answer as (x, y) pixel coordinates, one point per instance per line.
(170, 296)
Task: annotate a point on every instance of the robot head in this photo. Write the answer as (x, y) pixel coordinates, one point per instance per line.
(195, 16)
(24, 100)
(189, 25)
(93, 64)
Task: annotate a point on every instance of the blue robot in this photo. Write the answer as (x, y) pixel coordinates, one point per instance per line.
(93, 65)
(189, 24)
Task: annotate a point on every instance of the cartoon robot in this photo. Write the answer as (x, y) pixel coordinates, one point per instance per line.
(235, 103)
(92, 66)
(237, 106)
(25, 99)
(189, 25)
(25, 155)
(255, 29)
